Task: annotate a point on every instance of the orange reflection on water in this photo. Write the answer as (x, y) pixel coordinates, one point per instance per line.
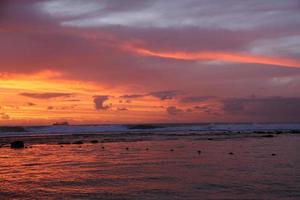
(149, 170)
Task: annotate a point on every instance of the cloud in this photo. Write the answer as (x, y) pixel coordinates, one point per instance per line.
(278, 109)
(173, 110)
(122, 109)
(48, 95)
(164, 95)
(232, 14)
(99, 102)
(220, 56)
(195, 99)
(69, 8)
(122, 46)
(132, 96)
(30, 104)
(4, 116)
(50, 108)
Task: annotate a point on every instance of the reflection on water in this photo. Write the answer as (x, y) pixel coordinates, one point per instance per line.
(89, 172)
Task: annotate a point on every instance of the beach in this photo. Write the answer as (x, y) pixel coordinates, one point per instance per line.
(152, 166)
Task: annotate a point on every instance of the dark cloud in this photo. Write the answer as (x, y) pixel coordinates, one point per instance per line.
(278, 109)
(30, 104)
(73, 100)
(132, 96)
(164, 95)
(4, 116)
(122, 109)
(195, 99)
(205, 109)
(173, 110)
(48, 95)
(99, 102)
(50, 108)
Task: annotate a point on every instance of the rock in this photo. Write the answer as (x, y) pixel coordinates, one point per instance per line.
(268, 136)
(273, 154)
(199, 152)
(230, 153)
(78, 142)
(17, 145)
(127, 148)
(94, 141)
(171, 149)
(103, 148)
(294, 131)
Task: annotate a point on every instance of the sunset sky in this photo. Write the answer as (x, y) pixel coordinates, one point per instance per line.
(149, 61)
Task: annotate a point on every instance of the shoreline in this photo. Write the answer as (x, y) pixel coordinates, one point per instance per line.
(138, 136)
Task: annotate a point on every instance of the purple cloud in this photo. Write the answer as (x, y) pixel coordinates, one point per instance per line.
(173, 110)
(271, 109)
(99, 102)
(164, 95)
(195, 99)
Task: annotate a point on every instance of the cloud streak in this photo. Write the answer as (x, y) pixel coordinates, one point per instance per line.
(220, 56)
(49, 95)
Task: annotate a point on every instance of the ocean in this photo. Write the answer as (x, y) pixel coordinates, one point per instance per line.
(157, 161)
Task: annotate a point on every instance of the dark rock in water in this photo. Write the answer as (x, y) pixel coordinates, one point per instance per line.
(209, 139)
(147, 149)
(230, 153)
(268, 136)
(103, 147)
(61, 143)
(171, 149)
(273, 154)
(127, 148)
(199, 152)
(259, 132)
(143, 126)
(12, 129)
(94, 141)
(78, 142)
(17, 145)
(278, 132)
(294, 131)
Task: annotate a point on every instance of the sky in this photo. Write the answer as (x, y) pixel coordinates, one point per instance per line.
(149, 61)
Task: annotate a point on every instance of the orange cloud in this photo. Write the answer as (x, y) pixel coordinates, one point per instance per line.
(221, 56)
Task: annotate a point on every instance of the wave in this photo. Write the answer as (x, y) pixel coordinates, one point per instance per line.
(144, 128)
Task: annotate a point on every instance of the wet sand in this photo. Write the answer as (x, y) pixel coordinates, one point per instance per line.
(152, 167)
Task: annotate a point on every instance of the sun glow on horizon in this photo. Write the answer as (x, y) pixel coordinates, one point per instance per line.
(47, 96)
